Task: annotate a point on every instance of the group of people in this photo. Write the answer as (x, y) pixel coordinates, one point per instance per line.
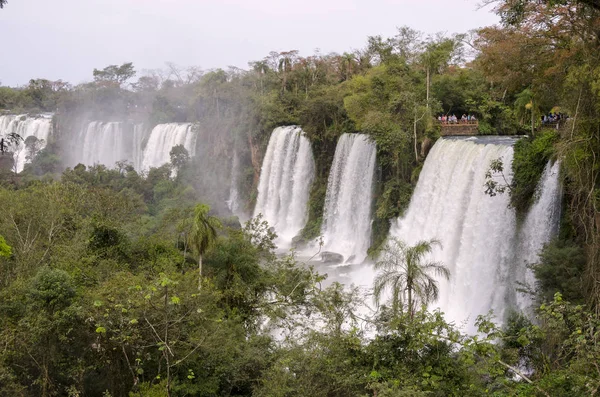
(452, 119)
(552, 118)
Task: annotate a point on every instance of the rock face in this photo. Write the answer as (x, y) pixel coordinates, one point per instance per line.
(331, 257)
(6, 161)
(426, 146)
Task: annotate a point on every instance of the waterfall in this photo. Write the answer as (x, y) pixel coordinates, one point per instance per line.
(140, 135)
(285, 179)
(540, 225)
(346, 226)
(478, 233)
(24, 126)
(233, 202)
(162, 139)
(103, 143)
(108, 142)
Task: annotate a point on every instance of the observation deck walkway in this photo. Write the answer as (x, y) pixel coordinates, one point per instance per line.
(460, 128)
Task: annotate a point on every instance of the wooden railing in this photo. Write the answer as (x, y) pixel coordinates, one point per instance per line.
(458, 123)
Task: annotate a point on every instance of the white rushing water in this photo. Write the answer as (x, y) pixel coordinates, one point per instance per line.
(140, 135)
(346, 226)
(38, 127)
(104, 143)
(285, 179)
(109, 142)
(234, 202)
(540, 225)
(162, 139)
(482, 246)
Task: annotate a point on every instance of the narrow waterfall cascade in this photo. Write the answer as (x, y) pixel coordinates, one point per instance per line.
(346, 226)
(140, 135)
(233, 202)
(103, 143)
(481, 244)
(26, 127)
(286, 176)
(539, 227)
(162, 139)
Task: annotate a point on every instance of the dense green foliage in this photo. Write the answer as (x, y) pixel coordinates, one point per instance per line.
(530, 158)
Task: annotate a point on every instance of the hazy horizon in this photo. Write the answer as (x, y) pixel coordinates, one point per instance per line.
(67, 39)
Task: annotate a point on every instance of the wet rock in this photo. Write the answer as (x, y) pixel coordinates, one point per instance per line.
(331, 257)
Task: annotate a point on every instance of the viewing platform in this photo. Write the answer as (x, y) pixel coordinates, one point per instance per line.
(460, 128)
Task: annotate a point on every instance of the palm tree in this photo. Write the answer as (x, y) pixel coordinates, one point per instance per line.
(203, 234)
(404, 270)
(525, 102)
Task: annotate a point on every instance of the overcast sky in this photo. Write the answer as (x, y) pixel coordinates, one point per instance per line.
(67, 39)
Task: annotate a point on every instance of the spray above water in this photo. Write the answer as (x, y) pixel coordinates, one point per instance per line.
(347, 215)
(286, 176)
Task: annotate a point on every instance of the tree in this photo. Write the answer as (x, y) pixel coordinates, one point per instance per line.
(33, 145)
(437, 54)
(203, 235)
(179, 156)
(2, 3)
(525, 103)
(114, 74)
(404, 270)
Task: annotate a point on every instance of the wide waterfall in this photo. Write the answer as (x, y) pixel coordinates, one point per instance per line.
(109, 142)
(38, 127)
(346, 226)
(162, 139)
(285, 179)
(105, 143)
(481, 244)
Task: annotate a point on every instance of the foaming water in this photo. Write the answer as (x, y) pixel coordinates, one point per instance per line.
(162, 139)
(38, 127)
(540, 225)
(347, 215)
(286, 176)
(104, 143)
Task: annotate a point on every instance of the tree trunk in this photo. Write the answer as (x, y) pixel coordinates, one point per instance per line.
(415, 137)
(428, 77)
(410, 303)
(532, 121)
(199, 271)
(166, 347)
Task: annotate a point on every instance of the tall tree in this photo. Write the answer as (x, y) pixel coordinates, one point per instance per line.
(406, 272)
(114, 74)
(204, 234)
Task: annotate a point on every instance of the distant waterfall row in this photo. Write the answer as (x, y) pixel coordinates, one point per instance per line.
(26, 127)
(109, 142)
